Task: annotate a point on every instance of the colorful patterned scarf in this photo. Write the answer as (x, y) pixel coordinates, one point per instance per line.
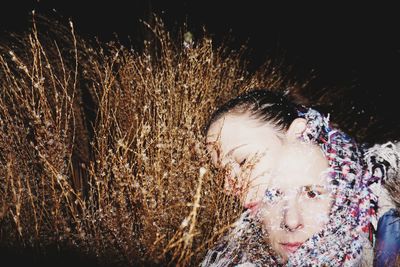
(352, 169)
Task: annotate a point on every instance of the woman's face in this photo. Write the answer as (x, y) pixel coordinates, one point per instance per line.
(282, 180)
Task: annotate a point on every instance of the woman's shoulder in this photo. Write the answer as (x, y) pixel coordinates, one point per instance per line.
(386, 245)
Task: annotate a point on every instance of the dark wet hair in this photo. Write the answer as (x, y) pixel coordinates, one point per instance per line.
(263, 104)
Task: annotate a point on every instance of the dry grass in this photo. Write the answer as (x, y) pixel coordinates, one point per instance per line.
(102, 149)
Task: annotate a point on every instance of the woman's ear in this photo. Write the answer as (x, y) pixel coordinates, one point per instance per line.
(296, 129)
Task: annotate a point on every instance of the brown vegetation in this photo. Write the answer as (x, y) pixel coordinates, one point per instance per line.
(102, 149)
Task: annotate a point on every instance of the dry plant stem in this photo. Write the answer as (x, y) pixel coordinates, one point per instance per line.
(184, 241)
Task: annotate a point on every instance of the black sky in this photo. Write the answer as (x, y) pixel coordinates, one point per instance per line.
(346, 45)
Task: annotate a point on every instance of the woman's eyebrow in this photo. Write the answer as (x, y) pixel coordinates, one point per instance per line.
(230, 152)
(311, 186)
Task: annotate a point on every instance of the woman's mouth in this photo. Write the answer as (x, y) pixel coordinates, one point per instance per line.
(291, 247)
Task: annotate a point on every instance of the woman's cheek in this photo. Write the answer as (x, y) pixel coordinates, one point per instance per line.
(254, 194)
(256, 186)
(270, 214)
(316, 212)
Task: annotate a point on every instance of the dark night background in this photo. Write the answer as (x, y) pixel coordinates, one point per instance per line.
(346, 46)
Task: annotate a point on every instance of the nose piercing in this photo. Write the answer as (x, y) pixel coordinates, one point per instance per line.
(283, 225)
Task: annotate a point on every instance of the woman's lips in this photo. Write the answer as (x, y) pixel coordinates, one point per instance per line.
(291, 247)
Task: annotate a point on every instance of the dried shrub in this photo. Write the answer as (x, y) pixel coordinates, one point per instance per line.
(102, 147)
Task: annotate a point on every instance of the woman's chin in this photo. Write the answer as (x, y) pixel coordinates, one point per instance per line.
(284, 250)
(290, 248)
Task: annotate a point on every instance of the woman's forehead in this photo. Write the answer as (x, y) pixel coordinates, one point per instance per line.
(301, 164)
(242, 133)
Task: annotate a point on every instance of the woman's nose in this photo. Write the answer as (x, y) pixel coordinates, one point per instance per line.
(292, 219)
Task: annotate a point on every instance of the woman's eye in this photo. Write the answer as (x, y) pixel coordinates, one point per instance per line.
(311, 192)
(272, 195)
(242, 162)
